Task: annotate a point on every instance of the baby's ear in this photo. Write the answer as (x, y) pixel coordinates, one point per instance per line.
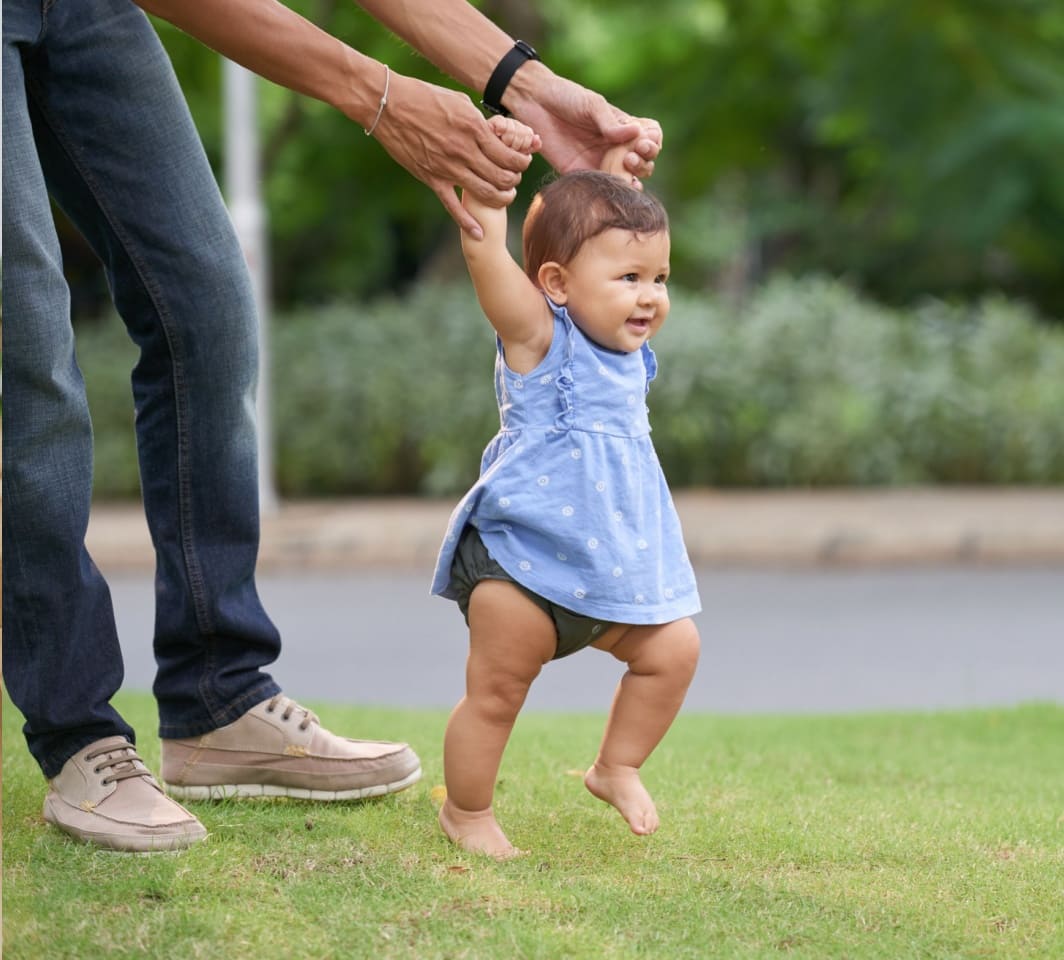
(552, 279)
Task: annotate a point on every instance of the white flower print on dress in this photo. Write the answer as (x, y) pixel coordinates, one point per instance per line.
(593, 523)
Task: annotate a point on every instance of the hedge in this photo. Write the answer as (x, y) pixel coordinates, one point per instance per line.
(806, 383)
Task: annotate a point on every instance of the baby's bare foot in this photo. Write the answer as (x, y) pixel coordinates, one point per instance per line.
(476, 831)
(621, 787)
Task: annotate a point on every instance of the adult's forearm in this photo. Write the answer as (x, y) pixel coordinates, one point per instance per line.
(452, 34)
(277, 43)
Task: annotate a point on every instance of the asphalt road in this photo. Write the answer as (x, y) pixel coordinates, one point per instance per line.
(773, 641)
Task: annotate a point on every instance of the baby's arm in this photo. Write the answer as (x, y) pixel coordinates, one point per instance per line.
(510, 300)
(613, 162)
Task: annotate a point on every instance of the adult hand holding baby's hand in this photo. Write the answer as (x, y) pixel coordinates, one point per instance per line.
(627, 160)
(444, 141)
(515, 134)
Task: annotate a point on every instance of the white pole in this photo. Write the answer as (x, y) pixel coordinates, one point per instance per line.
(243, 186)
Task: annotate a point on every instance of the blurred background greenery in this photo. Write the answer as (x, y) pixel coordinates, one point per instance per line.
(867, 200)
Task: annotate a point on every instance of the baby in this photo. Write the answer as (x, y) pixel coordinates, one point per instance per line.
(569, 539)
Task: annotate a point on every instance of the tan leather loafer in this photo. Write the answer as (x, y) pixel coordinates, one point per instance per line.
(105, 795)
(280, 749)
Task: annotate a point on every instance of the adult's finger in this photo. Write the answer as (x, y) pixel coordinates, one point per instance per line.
(637, 166)
(507, 159)
(458, 213)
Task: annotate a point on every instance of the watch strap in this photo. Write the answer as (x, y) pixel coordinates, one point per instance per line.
(518, 55)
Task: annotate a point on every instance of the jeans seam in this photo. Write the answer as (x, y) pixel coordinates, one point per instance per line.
(195, 576)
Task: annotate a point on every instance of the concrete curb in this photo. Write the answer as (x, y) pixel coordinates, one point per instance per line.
(753, 528)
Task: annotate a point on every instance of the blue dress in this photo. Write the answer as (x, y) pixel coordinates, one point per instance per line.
(571, 500)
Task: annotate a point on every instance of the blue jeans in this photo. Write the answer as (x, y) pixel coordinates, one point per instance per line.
(93, 116)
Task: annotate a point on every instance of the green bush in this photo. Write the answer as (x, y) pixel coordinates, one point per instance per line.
(803, 384)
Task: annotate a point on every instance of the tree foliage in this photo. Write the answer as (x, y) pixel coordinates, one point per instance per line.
(911, 145)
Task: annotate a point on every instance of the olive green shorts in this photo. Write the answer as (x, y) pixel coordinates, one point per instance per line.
(472, 563)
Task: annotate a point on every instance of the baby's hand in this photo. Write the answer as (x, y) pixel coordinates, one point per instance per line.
(613, 162)
(514, 133)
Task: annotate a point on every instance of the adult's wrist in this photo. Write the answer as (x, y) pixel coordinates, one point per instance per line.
(527, 86)
(504, 73)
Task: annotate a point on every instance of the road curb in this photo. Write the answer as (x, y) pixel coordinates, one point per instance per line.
(743, 528)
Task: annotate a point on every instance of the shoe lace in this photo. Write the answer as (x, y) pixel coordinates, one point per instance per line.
(120, 761)
(290, 707)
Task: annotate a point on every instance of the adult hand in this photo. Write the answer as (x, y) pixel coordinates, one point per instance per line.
(613, 162)
(579, 127)
(441, 138)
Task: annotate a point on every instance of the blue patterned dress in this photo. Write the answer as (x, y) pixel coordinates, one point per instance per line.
(571, 500)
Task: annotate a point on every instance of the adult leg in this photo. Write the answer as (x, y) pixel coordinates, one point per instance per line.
(120, 154)
(122, 157)
(510, 639)
(661, 664)
(62, 662)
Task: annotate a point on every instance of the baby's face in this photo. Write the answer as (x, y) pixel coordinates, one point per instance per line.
(615, 288)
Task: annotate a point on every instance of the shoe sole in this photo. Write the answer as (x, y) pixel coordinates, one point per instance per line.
(227, 791)
(124, 844)
(127, 846)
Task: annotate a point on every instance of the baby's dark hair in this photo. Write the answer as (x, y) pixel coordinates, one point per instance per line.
(575, 207)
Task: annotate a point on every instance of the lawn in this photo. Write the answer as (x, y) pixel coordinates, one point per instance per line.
(870, 836)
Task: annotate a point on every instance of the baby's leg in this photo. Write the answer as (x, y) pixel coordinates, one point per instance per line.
(661, 662)
(510, 639)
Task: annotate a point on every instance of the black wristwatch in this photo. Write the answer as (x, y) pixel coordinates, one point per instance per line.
(499, 80)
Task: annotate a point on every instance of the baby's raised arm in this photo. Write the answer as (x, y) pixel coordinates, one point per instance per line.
(512, 303)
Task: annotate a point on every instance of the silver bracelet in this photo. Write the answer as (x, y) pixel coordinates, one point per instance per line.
(384, 102)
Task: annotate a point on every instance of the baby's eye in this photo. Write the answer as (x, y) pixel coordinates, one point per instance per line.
(661, 278)
(630, 277)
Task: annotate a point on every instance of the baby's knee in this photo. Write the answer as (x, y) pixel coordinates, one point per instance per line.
(499, 701)
(684, 645)
(669, 649)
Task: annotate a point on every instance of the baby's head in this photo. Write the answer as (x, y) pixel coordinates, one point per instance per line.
(601, 248)
(576, 207)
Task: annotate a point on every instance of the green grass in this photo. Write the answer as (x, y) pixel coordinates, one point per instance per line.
(886, 836)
